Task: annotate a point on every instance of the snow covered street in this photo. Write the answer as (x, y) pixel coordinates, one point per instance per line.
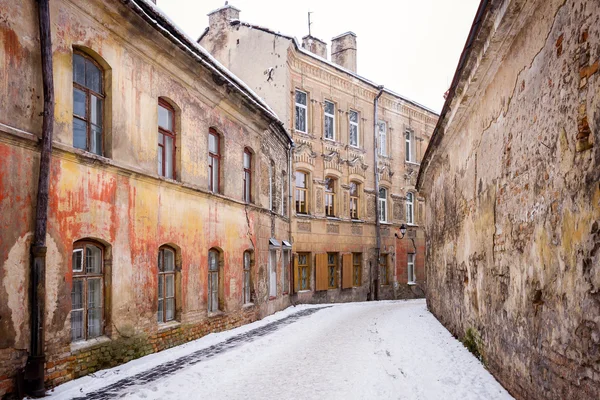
(375, 350)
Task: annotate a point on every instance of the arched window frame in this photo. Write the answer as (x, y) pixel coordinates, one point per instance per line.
(167, 285)
(89, 115)
(83, 306)
(383, 209)
(302, 207)
(214, 161)
(355, 213)
(167, 134)
(330, 196)
(247, 181)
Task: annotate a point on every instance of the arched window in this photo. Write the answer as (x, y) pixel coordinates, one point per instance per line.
(410, 210)
(166, 139)
(214, 161)
(354, 200)
(166, 284)
(301, 193)
(382, 205)
(247, 176)
(87, 294)
(213, 280)
(330, 184)
(88, 104)
(247, 276)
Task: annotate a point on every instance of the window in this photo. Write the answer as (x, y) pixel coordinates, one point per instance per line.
(286, 271)
(410, 217)
(88, 104)
(329, 120)
(284, 199)
(383, 270)
(332, 270)
(247, 176)
(213, 280)
(166, 285)
(214, 159)
(382, 138)
(247, 261)
(273, 273)
(356, 269)
(412, 277)
(410, 146)
(303, 281)
(87, 292)
(382, 205)
(354, 200)
(330, 197)
(166, 139)
(271, 186)
(353, 117)
(301, 193)
(301, 110)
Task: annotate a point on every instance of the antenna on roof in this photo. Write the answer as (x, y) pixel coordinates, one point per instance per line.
(309, 23)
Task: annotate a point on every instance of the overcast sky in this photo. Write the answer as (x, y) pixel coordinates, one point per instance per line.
(410, 46)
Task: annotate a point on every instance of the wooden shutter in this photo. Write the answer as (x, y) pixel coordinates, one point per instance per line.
(321, 270)
(296, 283)
(346, 271)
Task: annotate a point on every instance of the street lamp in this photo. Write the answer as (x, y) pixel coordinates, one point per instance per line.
(402, 231)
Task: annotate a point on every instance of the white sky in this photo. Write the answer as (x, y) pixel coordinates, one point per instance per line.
(410, 46)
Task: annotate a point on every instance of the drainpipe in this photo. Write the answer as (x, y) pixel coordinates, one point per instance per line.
(376, 158)
(291, 275)
(34, 370)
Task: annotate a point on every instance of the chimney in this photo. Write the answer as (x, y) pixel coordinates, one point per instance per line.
(219, 18)
(343, 50)
(315, 46)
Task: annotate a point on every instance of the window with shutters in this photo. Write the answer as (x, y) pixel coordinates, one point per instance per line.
(247, 190)
(301, 111)
(329, 120)
(166, 285)
(214, 284)
(247, 277)
(332, 265)
(410, 209)
(301, 193)
(382, 138)
(353, 128)
(347, 271)
(321, 272)
(87, 293)
(383, 205)
(303, 271)
(214, 161)
(410, 268)
(166, 139)
(384, 278)
(330, 188)
(356, 269)
(354, 200)
(88, 104)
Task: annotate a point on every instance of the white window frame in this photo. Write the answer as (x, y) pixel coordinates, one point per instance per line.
(410, 268)
(80, 269)
(410, 146)
(383, 206)
(303, 107)
(382, 143)
(327, 115)
(350, 124)
(410, 208)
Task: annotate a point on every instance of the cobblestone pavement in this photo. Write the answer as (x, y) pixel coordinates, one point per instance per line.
(125, 386)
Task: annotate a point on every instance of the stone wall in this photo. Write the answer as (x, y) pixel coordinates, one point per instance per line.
(513, 199)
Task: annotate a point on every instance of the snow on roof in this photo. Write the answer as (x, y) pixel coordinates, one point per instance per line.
(344, 34)
(177, 35)
(226, 6)
(324, 60)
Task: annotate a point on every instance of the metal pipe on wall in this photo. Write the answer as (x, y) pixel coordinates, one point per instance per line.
(376, 168)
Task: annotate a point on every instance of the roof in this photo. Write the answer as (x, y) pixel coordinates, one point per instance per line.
(302, 50)
(344, 34)
(223, 8)
(436, 137)
(163, 24)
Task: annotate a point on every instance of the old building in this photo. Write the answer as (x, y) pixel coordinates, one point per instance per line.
(342, 213)
(162, 219)
(511, 180)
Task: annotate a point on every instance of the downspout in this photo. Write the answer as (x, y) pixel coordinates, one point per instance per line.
(376, 168)
(291, 275)
(34, 370)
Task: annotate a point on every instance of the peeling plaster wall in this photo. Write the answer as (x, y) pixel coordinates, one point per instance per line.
(118, 200)
(513, 200)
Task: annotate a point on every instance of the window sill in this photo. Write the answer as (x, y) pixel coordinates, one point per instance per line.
(165, 326)
(413, 225)
(385, 223)
(412, 163)
(304, 291)
(272, 298)
(86, 344)
(307, 216)
(411, 283)
(248, 305)
(357, 221)
(334, 219)
(214, 314)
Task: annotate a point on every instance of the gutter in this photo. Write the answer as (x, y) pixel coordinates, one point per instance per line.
(34, 369)
(376, 163)
(438, 134)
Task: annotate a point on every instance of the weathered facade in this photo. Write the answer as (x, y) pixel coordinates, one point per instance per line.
(329, 110)
(129, 244)
(511, 181)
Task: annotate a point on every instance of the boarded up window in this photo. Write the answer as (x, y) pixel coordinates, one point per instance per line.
(321, 269)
